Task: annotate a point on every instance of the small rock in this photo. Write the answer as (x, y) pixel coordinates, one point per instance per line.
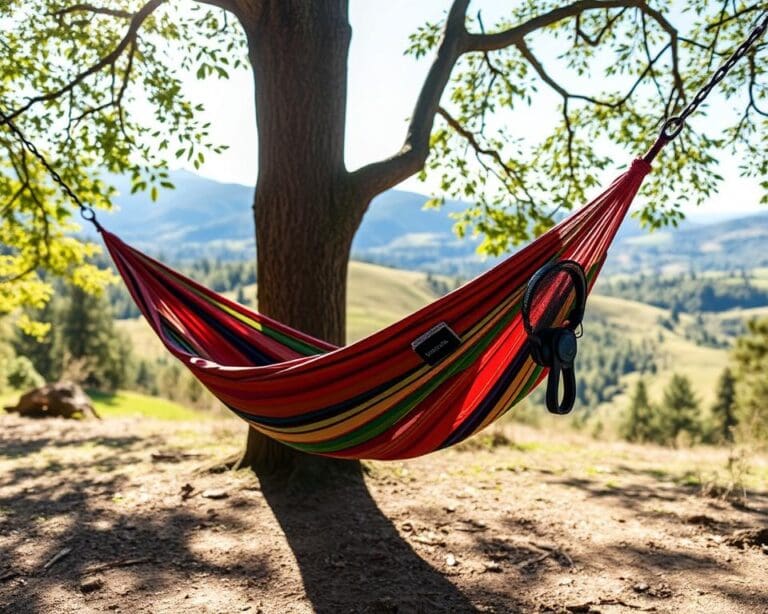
(214, 494)
(493, 567)
(91, 584)
(748, 537)
(663, 591)
(451, 561)
(640, 587)
(701, 519)
(407, 527)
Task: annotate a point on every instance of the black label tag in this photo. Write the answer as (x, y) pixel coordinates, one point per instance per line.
(437, 343)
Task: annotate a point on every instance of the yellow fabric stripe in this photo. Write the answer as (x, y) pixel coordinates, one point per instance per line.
(346, 422)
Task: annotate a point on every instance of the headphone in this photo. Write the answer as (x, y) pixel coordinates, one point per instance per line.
(556, 347)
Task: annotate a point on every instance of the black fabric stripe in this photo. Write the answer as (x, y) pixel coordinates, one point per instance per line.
(489, 402)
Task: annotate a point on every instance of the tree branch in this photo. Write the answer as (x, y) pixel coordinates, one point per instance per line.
(724, 20)
(379, 176)
(90, 8)
(505, 38)
(486, 151)
(513, 36)
(116, 98)
(597, 39)
(752, 84)
(108, 60)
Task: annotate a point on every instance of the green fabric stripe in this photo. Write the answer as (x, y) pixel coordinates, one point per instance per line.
(300, 346)
(382, 423)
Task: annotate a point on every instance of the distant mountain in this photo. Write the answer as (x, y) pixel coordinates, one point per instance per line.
(740, 243)
(204, 217)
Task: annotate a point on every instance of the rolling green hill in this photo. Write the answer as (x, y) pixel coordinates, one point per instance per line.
(636, 321)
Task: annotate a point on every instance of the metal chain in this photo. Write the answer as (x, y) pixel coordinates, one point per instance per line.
(674, 125)
(86, 211)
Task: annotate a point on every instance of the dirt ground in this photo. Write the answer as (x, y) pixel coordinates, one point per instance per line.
(127, 516)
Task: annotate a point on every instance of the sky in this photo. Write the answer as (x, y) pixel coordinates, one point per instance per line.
(383, 87)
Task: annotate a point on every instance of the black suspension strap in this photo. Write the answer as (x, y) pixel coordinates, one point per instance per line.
(86, 211)
(674, 125)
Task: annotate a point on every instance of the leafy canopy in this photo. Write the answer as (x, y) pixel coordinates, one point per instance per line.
(617, 74)
(97, 86)
(99, 92)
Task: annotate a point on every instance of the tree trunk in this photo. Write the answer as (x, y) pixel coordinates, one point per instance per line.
(305, 210)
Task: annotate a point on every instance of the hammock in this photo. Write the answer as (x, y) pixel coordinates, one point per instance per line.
(375, 398)
(378, 398)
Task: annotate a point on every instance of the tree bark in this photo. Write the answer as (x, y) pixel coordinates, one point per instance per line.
(305, 208)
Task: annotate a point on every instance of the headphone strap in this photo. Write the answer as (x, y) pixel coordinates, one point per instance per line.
(554, 404)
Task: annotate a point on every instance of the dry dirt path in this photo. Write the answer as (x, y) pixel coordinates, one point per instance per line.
(123, 516)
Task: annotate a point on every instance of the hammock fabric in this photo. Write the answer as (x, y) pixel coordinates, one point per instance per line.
(376, 398)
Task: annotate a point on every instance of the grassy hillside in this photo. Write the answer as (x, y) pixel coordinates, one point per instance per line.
(678, 354)
(636, 321)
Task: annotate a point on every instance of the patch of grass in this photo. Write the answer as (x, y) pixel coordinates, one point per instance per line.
(126, 403)
(485, 441)
(8, 398)
(689, 479)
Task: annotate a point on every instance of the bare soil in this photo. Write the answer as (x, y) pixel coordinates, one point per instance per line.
(136, 515)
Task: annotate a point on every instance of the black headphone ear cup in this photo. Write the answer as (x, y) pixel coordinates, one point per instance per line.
(542, 350)
(546, 351)
(564, 346)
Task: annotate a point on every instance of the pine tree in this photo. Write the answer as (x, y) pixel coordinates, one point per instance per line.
(751, 357)
(82, 344)
(678, 412)
(724, 410)
(241, 298)
(638, 423)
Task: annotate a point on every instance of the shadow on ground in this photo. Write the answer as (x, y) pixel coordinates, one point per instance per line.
(351, 556)
(93, 519)
(92, 533)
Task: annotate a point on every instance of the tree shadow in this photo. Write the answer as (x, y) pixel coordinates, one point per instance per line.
(351, 556)
(85, 523)
(70, 542)
(633, 496)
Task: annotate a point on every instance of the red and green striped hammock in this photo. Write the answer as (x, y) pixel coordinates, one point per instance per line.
(376, 398)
